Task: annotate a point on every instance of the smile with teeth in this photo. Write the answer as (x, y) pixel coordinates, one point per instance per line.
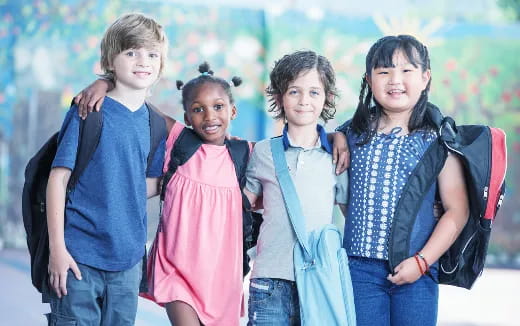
(142, 73)
(210, 129)
(396, 91)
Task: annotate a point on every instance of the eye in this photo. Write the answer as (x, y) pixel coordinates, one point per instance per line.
(130, 53)
(154, 55)
(197, 109)
(292, 92)
(382, 72)
(407, 70)
(315, 93)
(219, 107)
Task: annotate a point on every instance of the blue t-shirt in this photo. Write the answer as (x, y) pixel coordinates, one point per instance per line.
(105, 214)
(377, 174)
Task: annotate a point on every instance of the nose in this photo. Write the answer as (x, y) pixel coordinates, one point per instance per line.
(143, 60)
(304, 99)
(209, 114)
(395, 78)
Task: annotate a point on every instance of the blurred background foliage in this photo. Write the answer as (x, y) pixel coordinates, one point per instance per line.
(50, 51)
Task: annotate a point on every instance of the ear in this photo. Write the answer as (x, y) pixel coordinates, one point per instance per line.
(187, 119)
(234, 112)
(369, 82)
(426, 76)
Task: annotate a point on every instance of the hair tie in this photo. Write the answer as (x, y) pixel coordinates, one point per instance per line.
(205, 73)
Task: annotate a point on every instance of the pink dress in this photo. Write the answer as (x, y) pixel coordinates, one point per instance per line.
(197, 253)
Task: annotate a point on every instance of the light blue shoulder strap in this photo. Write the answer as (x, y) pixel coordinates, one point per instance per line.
(290, 196)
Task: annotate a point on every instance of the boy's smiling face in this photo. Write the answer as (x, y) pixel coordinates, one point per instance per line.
(304, 99)
(136, 69)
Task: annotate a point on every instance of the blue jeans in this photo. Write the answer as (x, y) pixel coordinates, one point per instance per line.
(380, 302)
(273, 302)
(100, 298)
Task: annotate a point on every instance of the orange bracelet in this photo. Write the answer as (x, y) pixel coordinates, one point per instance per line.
(425, 261)
(419, 264)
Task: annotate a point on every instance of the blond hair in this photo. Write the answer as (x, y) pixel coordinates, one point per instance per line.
(131, 31)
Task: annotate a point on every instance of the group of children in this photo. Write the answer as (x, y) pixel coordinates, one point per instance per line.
(98, 232)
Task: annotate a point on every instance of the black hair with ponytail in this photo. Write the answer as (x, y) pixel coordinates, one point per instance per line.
(206, 76)
(368, 113)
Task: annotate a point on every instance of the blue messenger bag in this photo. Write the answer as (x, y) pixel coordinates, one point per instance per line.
(320, 263)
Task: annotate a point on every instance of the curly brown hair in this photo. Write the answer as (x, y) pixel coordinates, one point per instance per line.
(288, 68)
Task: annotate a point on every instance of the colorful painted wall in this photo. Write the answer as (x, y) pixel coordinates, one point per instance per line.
(50, 50)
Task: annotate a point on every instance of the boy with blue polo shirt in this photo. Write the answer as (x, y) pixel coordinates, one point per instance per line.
(301, 91)
(97, 232)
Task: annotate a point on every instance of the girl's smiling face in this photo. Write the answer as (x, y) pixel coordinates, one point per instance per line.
(210, 112)
(398, 88)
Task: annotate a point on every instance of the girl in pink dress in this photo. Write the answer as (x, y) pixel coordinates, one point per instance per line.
(195, 263)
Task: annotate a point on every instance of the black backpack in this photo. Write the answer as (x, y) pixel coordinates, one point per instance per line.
(185, 146)
(37, 171)
(482, 151)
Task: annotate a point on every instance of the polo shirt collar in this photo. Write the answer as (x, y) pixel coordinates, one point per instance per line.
(324, 143)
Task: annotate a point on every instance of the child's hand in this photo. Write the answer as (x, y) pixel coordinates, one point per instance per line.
(406, 272)
(60, 261)
(91, 98)
(340, 152)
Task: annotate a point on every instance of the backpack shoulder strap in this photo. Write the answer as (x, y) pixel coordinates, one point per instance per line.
(289, 194)
(239, 152)
(157, 132)
(419, 182)
(185, 146)
(89, 135)
(446, 127)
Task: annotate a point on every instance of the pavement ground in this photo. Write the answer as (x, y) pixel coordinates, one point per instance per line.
(493, 300)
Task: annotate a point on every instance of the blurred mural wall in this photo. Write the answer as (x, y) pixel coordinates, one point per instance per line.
(50, 51)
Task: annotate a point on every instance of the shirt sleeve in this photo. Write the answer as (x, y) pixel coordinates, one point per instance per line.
(342, 187)
(68, 140)
(253, 183)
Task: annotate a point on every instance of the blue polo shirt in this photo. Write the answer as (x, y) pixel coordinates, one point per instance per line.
(105, 214)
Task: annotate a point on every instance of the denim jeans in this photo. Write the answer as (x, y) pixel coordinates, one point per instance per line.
(273, 302)
(380, 302)
(99, 298)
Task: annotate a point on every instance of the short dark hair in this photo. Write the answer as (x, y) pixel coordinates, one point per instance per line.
(206, 76)
(288, 68)
(381, 54)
